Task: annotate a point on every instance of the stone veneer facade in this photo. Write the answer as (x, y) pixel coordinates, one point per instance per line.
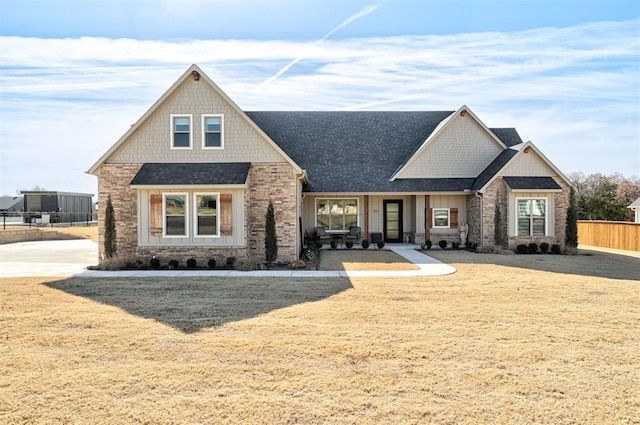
(268, 181)
(498, 194)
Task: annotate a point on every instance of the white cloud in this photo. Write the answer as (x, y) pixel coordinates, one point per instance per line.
(570, 90)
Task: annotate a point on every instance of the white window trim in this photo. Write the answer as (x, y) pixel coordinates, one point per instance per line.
(433, 218)
(340, 199)
(204, 133)
(171, 131)
(546, 214)
(186, 215)
(195, 214)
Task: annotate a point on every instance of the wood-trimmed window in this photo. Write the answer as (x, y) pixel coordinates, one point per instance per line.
(181, 131)
(337, 214)
(531, 216)
(212, 214)
(213, 132)
(444, 218)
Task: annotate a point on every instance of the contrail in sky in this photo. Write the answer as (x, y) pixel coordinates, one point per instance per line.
(364, 12)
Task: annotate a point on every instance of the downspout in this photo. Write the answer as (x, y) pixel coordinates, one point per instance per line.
(479, 196)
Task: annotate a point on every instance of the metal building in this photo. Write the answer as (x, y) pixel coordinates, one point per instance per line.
(57, 207)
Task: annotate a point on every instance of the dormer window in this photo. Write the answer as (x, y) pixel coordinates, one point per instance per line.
(181, 134)
(212, 132)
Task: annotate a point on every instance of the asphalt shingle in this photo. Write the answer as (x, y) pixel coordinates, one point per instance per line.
(192, 173)
(355, 152)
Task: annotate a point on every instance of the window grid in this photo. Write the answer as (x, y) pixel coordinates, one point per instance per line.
(181, 132)
(206, 223)
(175, 214)
(531, 216)
(212, 131)
(337, 214)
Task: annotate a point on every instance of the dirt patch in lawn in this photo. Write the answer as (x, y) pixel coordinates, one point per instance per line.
(363, 260)
(491, 343)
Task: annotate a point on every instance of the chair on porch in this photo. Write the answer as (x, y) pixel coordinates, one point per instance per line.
(322, 234)
(354, 234)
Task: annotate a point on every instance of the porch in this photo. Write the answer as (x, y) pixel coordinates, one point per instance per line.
(393, 218)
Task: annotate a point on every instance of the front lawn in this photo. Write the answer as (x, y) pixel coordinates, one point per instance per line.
(488, 344)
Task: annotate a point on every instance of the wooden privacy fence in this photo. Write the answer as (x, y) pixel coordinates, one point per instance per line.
(609, 234)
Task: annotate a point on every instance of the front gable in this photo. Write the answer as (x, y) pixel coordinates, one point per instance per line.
(195, 97)
(528, 162)
(462, 147)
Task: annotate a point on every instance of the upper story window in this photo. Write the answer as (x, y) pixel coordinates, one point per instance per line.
(181, 132)
(212, 131)
(532, 215)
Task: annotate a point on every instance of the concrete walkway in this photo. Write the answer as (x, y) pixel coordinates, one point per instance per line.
(71, 258)
(47, 258)
(428, 266)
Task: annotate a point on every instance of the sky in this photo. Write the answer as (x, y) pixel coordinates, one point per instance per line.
(76, 74)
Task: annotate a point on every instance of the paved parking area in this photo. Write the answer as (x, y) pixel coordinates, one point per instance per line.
(47, 258)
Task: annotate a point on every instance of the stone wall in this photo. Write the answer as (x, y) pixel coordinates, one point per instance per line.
(561, 206)
(115, 180)
(495, 195)
(276, 183)
(474, 219)
(29, 235)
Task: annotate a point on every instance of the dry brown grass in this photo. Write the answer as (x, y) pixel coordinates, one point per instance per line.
(488, 344)
(358, 260)
(81, 231)
(90, 232)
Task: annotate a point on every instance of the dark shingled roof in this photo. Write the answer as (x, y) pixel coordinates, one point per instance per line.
(356, 151)
(192, 173)
(509, 136)
(531, 183)
(493, 168)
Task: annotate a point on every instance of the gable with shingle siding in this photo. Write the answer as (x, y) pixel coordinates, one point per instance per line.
(528, 163)
(151, 142)
(463, 149)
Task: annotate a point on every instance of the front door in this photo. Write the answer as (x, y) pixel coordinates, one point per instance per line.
(392, 220)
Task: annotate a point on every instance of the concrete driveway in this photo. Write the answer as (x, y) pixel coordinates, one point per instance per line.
(47, 258)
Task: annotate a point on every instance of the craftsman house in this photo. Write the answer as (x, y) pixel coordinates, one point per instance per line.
(193, 177)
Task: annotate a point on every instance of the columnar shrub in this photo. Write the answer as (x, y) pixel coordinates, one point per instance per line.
(498, 234)
(110, 245)
(571, 238)
(270, 238)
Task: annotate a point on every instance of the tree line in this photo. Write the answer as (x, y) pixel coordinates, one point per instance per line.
(601, 197)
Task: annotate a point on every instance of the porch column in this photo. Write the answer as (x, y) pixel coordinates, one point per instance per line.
(366, 217)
